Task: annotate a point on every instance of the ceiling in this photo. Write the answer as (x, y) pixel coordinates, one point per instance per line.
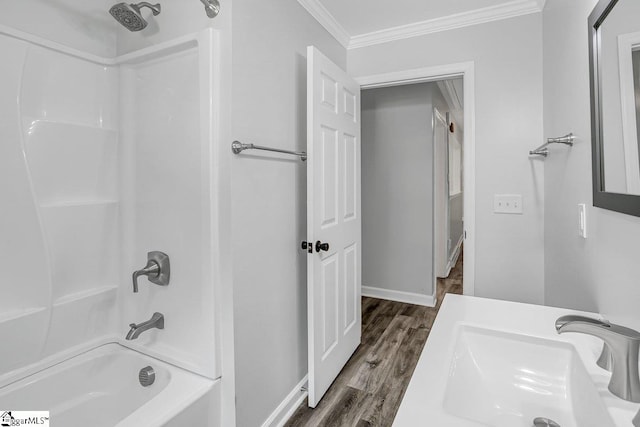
(357, 23)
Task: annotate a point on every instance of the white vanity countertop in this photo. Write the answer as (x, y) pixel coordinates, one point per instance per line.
(424, 400)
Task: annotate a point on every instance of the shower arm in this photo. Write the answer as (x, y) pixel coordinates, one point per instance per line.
(155, 8)
(212, 7)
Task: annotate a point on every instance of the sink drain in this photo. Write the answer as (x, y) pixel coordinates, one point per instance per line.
(544, 422)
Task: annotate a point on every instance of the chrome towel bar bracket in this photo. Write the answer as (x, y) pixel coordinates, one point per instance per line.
(238, 147)
(544, 151)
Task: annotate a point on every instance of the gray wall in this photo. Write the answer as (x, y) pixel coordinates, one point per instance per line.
(269, 200)
(508, 123)
(397, 187)
(602, 272)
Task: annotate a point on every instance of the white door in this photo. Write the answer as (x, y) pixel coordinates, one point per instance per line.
(333, 217)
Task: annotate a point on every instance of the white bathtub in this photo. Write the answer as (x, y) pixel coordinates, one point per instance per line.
(100, 388)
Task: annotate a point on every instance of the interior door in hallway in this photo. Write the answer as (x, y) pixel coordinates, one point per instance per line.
(333, 221)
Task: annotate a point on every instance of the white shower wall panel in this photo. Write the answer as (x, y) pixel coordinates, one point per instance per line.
(103, 160)
(72, 162)
(59, 164)
(166, 188)
(25, 283)
(83, 240)
(67, 89)
(83, 25)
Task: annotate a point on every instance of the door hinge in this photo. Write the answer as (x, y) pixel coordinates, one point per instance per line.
(307, 246)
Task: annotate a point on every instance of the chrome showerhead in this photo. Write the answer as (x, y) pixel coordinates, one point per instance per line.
(129, 14)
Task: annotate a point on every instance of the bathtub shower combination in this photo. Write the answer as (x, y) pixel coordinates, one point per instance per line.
(106, 161)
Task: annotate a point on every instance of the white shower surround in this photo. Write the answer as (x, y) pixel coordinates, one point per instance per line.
(104, 159)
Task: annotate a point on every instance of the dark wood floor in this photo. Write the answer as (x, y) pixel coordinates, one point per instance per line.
(370, 387)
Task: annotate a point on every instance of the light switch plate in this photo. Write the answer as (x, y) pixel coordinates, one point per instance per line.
(582, 220)
(507, 204)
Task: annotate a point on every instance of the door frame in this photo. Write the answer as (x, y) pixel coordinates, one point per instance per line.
(438, 116)
(466, 70)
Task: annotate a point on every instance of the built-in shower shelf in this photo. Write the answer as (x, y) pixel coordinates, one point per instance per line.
(78, 203)
(13, 314)
(32, 123)
(76, 296)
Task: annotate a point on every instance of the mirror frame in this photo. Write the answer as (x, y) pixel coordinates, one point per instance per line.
(619, 202)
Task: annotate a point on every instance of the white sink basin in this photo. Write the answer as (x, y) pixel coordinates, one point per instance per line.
(504, 379)
(496, 363)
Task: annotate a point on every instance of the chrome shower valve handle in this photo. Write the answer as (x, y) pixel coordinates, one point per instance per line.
(157, 270)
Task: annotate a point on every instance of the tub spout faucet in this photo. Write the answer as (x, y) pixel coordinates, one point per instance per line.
(156, 321)
(624, 346)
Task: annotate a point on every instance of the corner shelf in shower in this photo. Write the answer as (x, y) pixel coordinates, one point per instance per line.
(89, 293)
(18, 313)
(78, 203)
(33, 121)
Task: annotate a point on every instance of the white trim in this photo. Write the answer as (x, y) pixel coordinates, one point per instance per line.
(399, 296)
(438, 117)
(327, 20)
(288, 406)
(506, 10)
(465, 19)
(467, 71)
(450, 93)
(414, 75)
(456, 254)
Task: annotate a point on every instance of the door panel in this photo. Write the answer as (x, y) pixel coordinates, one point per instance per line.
(334, 275)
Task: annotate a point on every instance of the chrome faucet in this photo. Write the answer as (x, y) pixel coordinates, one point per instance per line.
(624, 346)
(604, 361)
(156, 321)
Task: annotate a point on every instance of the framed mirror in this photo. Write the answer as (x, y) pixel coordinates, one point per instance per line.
(614, 54)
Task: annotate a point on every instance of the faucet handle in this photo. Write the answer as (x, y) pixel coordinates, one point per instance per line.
(157, 270)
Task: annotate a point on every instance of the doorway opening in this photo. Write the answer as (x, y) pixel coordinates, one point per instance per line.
(412, 189)
(456, 82)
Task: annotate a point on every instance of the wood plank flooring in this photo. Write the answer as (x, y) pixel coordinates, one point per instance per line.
(370, 387)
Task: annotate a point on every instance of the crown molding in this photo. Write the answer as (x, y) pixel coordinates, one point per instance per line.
(480, 16)
(326, 19)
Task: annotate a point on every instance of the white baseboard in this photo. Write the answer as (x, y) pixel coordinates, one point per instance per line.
(456, 254)
(399, 296)
(288, 406)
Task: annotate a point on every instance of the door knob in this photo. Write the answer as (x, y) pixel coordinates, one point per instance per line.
(321, 246)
